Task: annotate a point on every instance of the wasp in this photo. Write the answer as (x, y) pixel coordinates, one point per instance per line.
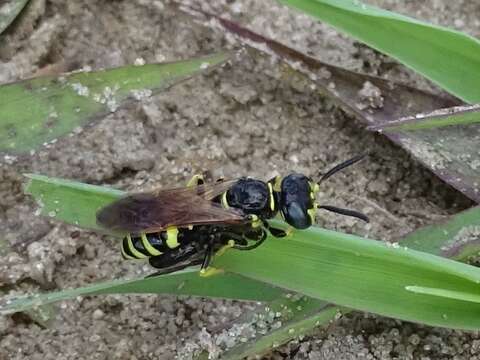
(180, 227)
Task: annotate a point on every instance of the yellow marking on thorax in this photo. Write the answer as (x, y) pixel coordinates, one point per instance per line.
(136, 254)
(277, 184)
(272, 198)
(172, 237)
(224, 200)
(314, 189)
(149, 247)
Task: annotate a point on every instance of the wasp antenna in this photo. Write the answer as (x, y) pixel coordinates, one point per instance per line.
(346, 212)
(341, 166)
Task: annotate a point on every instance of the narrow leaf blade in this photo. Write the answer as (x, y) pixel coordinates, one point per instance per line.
(364, 275)
(70, 201)
(448, 58)
(277, 322)
(458, 237)
(37, 111)
(449, 294)
(228, 286)
(457, 115)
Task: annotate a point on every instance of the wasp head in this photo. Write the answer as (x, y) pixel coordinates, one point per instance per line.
(297, 200)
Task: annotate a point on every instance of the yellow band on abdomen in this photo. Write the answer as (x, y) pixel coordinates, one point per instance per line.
(150, 249)
(136, 254)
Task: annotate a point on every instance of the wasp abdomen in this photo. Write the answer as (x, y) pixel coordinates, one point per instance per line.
(152, 244)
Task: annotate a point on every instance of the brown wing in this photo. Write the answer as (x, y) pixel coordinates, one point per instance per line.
(156, 210)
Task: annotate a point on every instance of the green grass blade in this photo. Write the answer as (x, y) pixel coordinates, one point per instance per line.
(70, 201)
(37, 111)
(9, 10)
(449, 239)
(449, 294)
(456, 238)
(449, 58)
(364, 275)
(278, 322)
(294, 328)
(343, 269)
(228, 286)
(458, 115)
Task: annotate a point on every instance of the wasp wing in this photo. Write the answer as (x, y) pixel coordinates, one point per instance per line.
(157, 210)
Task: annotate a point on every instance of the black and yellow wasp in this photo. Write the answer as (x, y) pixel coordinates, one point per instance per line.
(180, 227)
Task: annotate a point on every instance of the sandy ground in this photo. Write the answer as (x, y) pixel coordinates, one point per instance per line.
(239, 120)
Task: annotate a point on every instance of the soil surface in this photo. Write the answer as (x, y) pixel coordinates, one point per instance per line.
(242, 119)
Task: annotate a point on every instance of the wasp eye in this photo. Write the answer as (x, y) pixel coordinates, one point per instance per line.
(296, 216)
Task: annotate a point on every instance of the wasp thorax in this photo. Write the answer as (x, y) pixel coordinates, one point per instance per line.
(297, 201)
(249, 195)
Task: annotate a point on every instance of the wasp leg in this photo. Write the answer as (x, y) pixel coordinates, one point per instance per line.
(207, 258)
(197, 179)
(173, 257)
(279, 233)
(233, 241)
(230, 244)
(177, 267)
(210, 271)
(258, 241)
(207, 270)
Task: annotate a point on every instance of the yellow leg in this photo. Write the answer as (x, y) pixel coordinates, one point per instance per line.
(224, 248)
(255, 222)
(195, 180)
(210, 271)
(290, 230)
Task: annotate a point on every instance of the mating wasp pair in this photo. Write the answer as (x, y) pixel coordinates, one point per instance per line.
(177, 228)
